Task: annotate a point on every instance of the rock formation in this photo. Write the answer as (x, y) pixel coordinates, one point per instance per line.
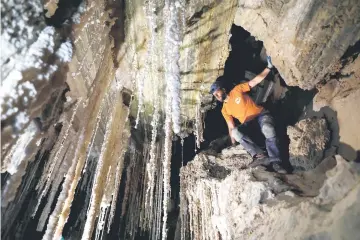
(223, 199)
(341, 94)
(308, 139)
(95, 96)
(306, 38)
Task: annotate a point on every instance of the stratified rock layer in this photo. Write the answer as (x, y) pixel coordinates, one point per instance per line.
(306, 39)
(68, 90)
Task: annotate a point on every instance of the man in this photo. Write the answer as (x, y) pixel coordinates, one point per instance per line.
(237, 104)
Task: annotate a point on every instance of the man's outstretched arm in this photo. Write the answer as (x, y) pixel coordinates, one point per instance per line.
(259, 78)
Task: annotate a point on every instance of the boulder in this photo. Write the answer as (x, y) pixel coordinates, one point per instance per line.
(308, 139)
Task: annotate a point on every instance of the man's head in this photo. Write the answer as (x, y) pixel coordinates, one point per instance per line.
(217, 90)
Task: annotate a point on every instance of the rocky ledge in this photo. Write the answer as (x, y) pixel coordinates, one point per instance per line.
(222, 198)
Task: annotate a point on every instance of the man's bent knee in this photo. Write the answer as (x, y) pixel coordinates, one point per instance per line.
(236, 134)
(268, 130)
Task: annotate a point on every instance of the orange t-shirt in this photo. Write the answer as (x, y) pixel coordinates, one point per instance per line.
(240, 105)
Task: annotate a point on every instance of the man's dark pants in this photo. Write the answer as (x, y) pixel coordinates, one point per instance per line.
(267, 127)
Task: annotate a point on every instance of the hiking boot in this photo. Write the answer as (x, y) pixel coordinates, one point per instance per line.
(260, 156)
(259, 159)
(276, 166)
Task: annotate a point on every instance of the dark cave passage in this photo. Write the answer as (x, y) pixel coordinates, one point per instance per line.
(247, 58)
(65, 9)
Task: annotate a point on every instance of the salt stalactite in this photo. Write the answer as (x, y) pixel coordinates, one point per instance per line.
(118, 173)
(133, 52)
(61, 212)
(18, 160)
(155, 147)
(166, 165)
(151, 164)
(134, 189)
(138, 74)
(60, 173)
(57, 215)
(145, 215)
(199, 129)
(138, 185)
(101, 221)
(127, 189)
(153, 215)
(80, 160)
(17, 154)
(111, 147)
(55, 161)
(105, 200)
(119, 170)
(145, 73)
(98, 118)
(168, 130)
(140, 87)
(173, 38)
(159, 205)
(114, 184)
(182, 151)
(183, 211)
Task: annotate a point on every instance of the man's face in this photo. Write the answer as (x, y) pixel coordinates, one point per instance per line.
(220, 95)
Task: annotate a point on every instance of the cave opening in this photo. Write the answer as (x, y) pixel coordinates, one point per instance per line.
(65, 9)
(247, 58)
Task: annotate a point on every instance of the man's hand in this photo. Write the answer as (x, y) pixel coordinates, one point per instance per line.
(269, 63)
(231, 126)
(233, 141)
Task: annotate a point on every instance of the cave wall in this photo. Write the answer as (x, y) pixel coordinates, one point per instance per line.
(86, 55)
(341, 94)
(66, 106)
(203, 52)
(67, 116)
(306, 39)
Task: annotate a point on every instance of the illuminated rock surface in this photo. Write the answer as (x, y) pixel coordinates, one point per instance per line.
(93, 93)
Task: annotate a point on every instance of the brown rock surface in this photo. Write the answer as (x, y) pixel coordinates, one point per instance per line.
(342, 95)
(306, 39)
(308, 139)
